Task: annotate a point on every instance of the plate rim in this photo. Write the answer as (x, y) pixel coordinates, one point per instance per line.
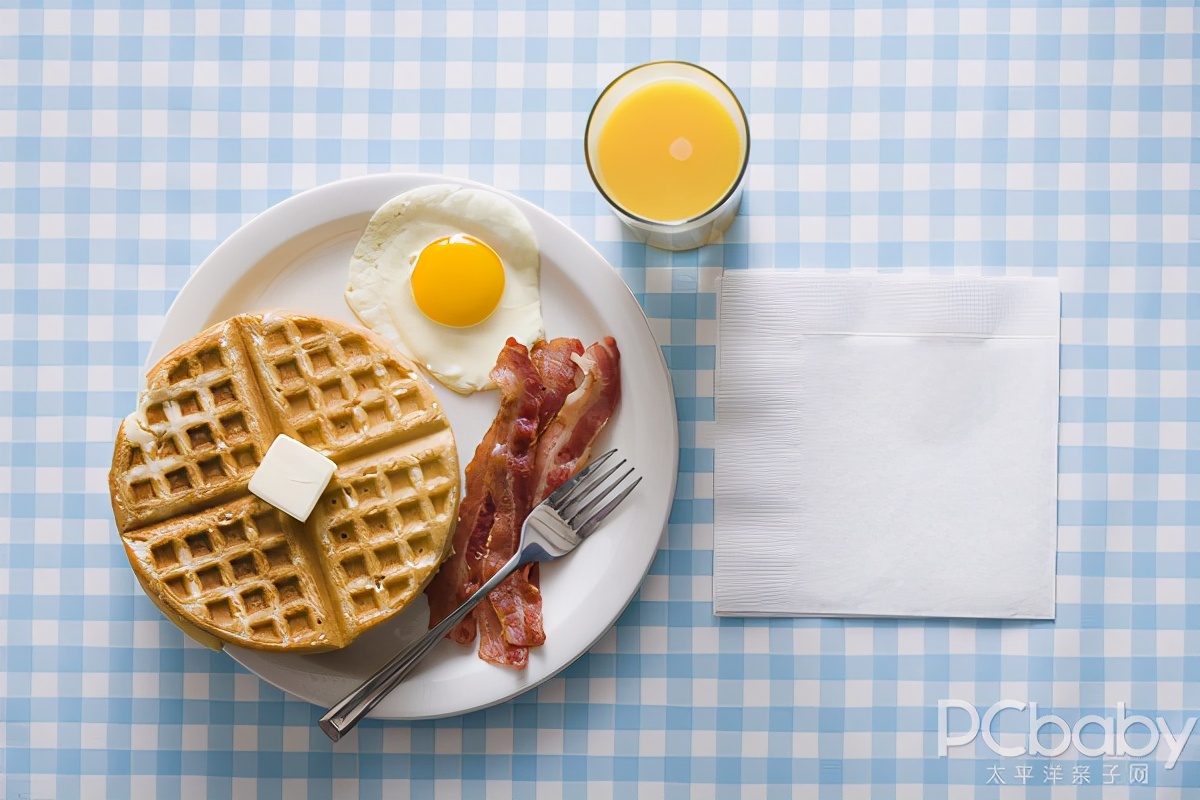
(261, 235)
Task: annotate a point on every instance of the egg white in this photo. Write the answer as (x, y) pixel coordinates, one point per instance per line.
(380, 291)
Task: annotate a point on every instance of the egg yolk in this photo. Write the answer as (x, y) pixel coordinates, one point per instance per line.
(458, 281)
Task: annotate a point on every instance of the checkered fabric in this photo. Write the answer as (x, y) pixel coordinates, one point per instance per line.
(930, 137)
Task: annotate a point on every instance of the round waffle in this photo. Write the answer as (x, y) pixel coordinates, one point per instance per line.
(228, 567)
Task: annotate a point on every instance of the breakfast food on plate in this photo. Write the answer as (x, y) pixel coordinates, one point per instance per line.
(227, 566)
(553, 404)
(447, 274)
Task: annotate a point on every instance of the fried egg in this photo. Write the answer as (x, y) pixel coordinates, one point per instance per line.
(448, 274)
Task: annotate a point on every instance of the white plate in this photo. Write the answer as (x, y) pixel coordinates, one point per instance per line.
(295, 255)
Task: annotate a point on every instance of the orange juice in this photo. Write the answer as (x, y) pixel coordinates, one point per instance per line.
(669, 151)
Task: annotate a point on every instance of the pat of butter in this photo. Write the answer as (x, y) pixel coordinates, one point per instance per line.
(291, 477)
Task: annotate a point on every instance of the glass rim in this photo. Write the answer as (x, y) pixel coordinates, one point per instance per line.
(737, 182)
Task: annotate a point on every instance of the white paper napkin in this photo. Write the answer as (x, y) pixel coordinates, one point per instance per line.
(886, 446)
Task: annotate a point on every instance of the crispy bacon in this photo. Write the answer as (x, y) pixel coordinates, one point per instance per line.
(513, 431)
(492, 646)
(515, 603)
(565, 445)
(555, 363)
(474, 522)
(556, 367)
(510, 482)
(554, 401)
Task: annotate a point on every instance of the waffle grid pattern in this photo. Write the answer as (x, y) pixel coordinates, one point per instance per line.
(203, 434)
(976, 137)
(239, 567)
(334, 391)
(371, 572)
(363, 510)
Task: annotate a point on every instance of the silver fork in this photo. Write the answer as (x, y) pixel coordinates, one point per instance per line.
(554, 528)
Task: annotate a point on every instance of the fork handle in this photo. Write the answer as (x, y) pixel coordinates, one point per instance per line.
(356, 705)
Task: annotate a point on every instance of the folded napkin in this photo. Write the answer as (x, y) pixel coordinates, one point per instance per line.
(885, 446)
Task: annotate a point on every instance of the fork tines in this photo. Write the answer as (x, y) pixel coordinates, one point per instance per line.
(576, 500)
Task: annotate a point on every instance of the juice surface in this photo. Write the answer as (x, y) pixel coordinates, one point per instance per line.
(669, 151)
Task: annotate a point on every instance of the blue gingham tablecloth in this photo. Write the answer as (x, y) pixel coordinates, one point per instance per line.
(988, 138)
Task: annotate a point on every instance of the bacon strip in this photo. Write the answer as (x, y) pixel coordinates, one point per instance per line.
(512, 431)
(492, 646)
(474, 521)
(554, 403)
(515, 604)
(556, 367)
(555, 363)
(564, 447)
